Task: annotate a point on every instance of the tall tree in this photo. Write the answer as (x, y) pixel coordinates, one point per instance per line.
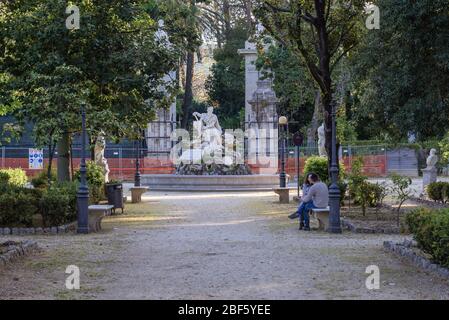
(114, 62)
(226, 83)
(401, 72)
(319, 33)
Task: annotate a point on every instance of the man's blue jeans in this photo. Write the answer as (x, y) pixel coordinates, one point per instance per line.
(304, 212)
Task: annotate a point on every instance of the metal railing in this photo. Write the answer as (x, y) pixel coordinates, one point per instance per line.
(122, 160)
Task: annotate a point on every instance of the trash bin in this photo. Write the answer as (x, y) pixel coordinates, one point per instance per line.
(114, 192)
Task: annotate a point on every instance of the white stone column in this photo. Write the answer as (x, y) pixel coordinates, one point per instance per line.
(251, 77)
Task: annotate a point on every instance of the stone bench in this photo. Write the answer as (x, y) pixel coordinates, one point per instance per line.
(284, 194)
(322, 215)
(96, 214)
(137, 192)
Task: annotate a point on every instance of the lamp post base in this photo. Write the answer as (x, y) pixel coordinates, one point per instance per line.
(82, 201)
(334, 212)
(137, 180)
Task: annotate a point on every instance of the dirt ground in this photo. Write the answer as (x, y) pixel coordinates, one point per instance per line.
(214, 246)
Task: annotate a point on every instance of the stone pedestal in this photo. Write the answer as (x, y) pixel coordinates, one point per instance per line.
(429, 176)
(284, 194)
(136, 194)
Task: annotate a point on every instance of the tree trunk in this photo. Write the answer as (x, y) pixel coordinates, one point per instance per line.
(188, 95)
(71, 159)
(93, 141)
(51, 154)
(325, 74)
(227, 18)
(316, 121)
(64, 157)
(248, 13)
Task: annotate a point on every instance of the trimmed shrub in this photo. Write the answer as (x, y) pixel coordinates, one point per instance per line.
(17, 208)
(4, 178)
(318, 165)
(431, 231)
(41, 179)
(16, 177)
(58, 204)
(438, 191)
(369, 195)
(355, 178)
(95, 180)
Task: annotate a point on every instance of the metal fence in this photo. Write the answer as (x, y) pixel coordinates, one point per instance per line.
(378, 161)
(121, 161)
(373, 157)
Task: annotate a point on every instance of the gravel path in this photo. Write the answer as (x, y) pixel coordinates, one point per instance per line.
(216, 246)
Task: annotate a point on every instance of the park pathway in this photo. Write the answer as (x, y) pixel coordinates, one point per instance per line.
(216, 246)
(242, 246)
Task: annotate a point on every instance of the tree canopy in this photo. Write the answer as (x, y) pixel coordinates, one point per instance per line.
(400, 73)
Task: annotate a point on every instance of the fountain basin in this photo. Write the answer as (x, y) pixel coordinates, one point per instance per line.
(172, 182)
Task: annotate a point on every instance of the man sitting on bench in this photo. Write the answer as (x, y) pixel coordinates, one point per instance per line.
(316, 198)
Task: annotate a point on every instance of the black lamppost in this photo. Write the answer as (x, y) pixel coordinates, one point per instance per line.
(82, 196)
(282, 126)
(137, 175)
(334, 190)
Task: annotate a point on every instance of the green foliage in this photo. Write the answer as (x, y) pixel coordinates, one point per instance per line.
(16, 177)
(95, 181)
(4, 177)
(226, 84)
(401, 71)
(58, 204)
(355, 177)
(41, 179)
(431, 231)
(343, 191)
(346, 129)
(293, 85)
(370, 195)
(319, 166)
(114, 62)
(443, 146)
(401, 190)
(17, 207)
(365, 193)
(438, 191)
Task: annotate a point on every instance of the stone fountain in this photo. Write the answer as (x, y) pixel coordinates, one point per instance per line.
(209, 155)
(212, 164)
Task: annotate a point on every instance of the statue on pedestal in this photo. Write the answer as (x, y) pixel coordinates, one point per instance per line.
(208, 156)
(100, 160)
(430, 172)
(432, 159)
(322, 141)
(209, 129)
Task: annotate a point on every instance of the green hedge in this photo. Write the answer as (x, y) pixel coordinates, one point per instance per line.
(431, 230)
(16, 177)
(17, 208)
(318, 165)
(95, 181)
(41, 179)
(438, 191)
(56, 205)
